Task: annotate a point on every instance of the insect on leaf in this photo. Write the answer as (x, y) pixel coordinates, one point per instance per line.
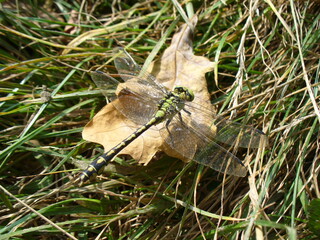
(177, 66)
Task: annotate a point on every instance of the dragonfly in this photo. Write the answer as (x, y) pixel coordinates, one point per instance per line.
(187, 127)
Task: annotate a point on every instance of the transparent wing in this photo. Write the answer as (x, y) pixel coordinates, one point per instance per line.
(104, 82)
(125, 64)
(139, 110)
(236, 134)
(139, 95)
(180, 138)
(129, 69)
(226, 131)
(142, 87)
(136, 100)
(195, 135)
(202, 148)
(221, 160)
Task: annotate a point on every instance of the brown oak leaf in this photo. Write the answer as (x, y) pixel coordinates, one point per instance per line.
(177, 66)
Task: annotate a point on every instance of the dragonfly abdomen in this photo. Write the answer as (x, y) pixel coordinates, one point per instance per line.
(97, 165)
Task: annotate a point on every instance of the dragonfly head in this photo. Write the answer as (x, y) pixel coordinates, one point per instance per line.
(184, 93)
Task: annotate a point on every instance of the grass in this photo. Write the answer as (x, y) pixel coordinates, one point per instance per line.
(268, 77)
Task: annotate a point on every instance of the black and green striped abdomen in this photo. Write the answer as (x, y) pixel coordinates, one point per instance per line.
(97, 165)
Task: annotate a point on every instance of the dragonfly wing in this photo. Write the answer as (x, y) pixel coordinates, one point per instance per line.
(137, 109)
(236, 134)
(201, 147)
(226, 131)
(180, 139)
(138, 101)
(143, 88)
(125, 64)
(221, 160)
(129, 69)
(104, 82)
(136, 85)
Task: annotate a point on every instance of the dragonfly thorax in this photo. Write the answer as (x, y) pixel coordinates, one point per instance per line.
(173, 103)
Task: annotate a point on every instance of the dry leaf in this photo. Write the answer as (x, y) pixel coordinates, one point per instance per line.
(178, 66)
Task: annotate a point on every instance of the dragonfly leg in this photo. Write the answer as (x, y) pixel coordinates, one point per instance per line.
(180, 117)
(189, 113)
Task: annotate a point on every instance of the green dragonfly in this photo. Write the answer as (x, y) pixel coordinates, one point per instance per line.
(187, 127)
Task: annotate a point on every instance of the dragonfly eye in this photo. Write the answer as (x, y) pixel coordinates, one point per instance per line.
(189, 94)
(184, 93)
